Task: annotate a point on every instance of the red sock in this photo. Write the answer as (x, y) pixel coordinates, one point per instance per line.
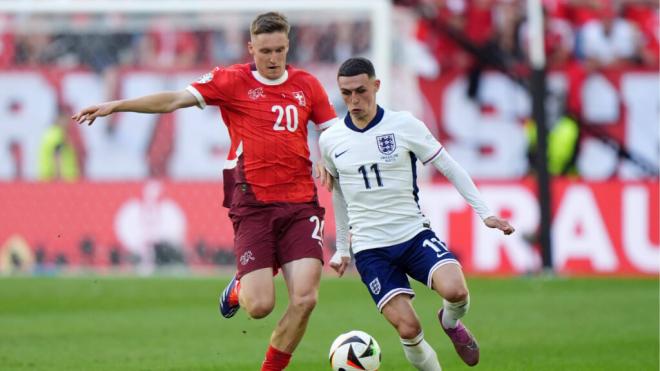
(276, 360)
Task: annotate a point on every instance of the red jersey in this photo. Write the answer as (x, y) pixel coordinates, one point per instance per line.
(267, 122)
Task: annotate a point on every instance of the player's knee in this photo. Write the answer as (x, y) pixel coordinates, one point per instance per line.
(304, 303)
(457, 294)
(259, 308)
(408, 329)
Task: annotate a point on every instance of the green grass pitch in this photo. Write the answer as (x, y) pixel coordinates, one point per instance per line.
(95, 323)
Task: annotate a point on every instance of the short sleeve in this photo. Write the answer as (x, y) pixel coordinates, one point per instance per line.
(323, 113)
(213, 88)
(421, 142)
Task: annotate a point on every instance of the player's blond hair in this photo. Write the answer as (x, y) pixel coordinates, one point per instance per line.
(269, 23)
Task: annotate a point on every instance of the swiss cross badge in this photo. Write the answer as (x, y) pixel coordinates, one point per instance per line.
(256, 93)
(300, 97)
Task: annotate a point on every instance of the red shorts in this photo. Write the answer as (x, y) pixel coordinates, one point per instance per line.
(275, 234)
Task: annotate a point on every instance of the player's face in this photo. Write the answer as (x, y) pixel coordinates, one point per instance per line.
(269, 52)
(359, 94)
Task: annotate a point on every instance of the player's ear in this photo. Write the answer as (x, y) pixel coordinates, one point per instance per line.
(250, 48)
(377, 85)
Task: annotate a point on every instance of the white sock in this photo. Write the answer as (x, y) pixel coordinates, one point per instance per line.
(420, 354)
(453, 312)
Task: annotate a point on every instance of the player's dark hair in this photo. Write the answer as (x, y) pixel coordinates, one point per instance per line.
(356, 66)
(269, 23)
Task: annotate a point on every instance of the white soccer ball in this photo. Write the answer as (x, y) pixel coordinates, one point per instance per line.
(354, 351)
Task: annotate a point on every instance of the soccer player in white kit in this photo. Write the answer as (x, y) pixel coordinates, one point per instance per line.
(372, 155)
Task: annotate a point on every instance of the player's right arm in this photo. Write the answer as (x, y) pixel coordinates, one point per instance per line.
(342, 256)
(163, 102)
(323, 115)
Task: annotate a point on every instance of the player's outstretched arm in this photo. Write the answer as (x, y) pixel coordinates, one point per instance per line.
(155, 103)
(461, 180)
(501, 224)
(465, 186)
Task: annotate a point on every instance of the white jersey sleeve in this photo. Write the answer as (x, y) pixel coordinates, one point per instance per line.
(338, 201)
(463, 183)
(420, 140)
(341, 220)
(428, 149)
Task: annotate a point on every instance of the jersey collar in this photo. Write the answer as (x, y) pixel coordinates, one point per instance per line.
(379, 116)
(266, 81)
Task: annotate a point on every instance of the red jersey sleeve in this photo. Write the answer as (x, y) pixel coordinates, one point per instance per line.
(323, 113)
(213, 88)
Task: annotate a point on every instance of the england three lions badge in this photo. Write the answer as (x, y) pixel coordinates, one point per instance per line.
(386, 144)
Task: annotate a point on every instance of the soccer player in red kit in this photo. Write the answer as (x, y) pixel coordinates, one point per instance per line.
(268, 187)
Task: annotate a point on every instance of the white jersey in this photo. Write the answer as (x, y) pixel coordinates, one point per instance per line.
(376, 170)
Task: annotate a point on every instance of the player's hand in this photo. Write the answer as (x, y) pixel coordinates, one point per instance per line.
(92, 112)
(324, 176)
(339, 262)
(501, 224)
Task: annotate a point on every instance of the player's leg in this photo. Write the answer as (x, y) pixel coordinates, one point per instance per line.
(302, 279)
(389, 287)
(257, 292)
(400, 313)
(431, 263)
(449, 282)
(254, 245)
(299, 251)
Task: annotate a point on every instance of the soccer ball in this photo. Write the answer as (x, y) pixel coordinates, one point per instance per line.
(354, 351)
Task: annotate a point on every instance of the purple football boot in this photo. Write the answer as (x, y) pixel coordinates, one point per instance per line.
(464, 343)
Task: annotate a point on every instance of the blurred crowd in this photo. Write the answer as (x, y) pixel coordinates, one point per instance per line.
(461, 36)
(459, 33)
(582, 39)
(103, 41)
(597, 33)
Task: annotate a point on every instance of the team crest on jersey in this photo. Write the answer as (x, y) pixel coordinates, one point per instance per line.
(205, 78)
(386, 144)
(246, 257)
(374, 286)
(300, 97)
(256, 93)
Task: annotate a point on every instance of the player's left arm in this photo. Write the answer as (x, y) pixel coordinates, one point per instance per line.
(322, 173)
(324, 177)
(466, 187)
(428, 149)
(322, 113)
